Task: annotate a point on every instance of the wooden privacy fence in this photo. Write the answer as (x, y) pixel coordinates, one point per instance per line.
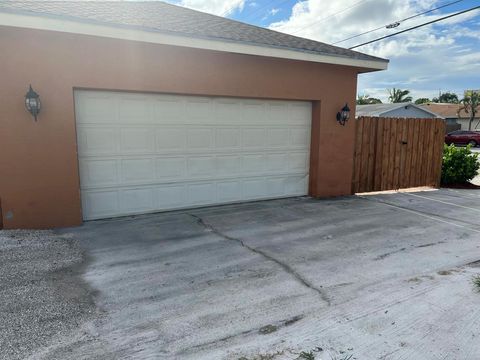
(396, 153)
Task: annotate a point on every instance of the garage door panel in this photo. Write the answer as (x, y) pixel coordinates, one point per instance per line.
(300, 138)
(164, 152)
(300, 113)
(169, 110)
(135, 109)
(171, 168)
(228, 111)
(276, 187)
(100, 204)
(278, 113)
(253, 138)
(229, 191)
(137, 200)
(228, 138)
(199, 110)
(254, 189)
(97, 141)
(297, 161)
(253, 112)
(201, 167)
(171, 140)
(201, 193)
(95, 173)
(253, 164)
(276, 162)
(277, 138)
(170, 196)
(200, 139)
(137, 140)
(296, 185)
(95, 108)
(228, 165)
(135, 171)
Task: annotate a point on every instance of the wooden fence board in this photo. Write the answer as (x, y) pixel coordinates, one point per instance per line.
(408, 155)
(421, 140)
(393, 153)
(386, 153)
(391, 160)
(377, 182)
(416, 129)
(357, 156)
(371, 155)
(430, 146)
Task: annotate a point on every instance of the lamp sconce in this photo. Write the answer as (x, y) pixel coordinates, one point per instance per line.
(32, 102)
(343, 115)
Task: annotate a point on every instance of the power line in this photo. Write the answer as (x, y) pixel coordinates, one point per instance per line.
(269, 3)
(415, 27)
(396, 23)
(226, 12)
(329, 16)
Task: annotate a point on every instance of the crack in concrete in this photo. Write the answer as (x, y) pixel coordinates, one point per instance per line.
(285, 267)
(255, 331)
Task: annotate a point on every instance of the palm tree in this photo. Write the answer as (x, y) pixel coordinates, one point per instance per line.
(399, 96)
(471, 104)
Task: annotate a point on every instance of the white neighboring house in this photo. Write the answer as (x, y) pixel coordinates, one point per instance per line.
(453, 114)
(395, 110)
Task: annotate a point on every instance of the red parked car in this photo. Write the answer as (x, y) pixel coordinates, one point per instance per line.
(463, 137)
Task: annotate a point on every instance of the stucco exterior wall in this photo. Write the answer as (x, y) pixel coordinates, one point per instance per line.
(465, 122)
(39, 182)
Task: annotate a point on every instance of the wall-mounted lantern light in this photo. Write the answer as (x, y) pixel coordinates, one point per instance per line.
(32, 102)
(343, 115)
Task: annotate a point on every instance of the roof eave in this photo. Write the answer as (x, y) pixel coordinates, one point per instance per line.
(150, 36)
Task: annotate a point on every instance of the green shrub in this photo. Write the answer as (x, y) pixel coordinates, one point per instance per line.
(476, 282)
(459, 165)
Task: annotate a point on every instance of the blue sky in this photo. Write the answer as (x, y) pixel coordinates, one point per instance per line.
(441, 57)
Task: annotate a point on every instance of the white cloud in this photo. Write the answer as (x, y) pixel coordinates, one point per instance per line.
(444, 57)
(217, 7)
(274, 11)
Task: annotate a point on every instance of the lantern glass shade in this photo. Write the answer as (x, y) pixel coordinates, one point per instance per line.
(32, 102)
(345, 112)
(343, 115)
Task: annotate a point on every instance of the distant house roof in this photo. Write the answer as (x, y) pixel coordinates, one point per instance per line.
(162, 18)
(382, 109)
(448, 111)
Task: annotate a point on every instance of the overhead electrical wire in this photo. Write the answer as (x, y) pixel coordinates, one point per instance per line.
(416, 27)
(226, 12)
(329, 16)
(398, 22)
(268, 4)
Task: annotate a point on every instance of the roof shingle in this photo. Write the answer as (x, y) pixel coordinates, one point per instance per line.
(162, 17)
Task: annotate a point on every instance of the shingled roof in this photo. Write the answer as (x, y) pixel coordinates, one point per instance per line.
(157, 16)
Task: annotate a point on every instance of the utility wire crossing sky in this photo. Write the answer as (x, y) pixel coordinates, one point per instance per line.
(442, 55)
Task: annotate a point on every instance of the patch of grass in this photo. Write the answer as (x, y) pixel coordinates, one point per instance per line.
(306, 355)
(271, 356)
(444, 272)
(268, 329)
(476, 282)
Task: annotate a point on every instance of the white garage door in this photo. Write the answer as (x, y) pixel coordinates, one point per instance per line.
(141, 153)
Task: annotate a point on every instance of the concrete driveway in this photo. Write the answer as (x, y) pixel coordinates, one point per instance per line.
(377, 277)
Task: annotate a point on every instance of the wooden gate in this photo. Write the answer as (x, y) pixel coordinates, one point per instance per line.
(397, 153)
